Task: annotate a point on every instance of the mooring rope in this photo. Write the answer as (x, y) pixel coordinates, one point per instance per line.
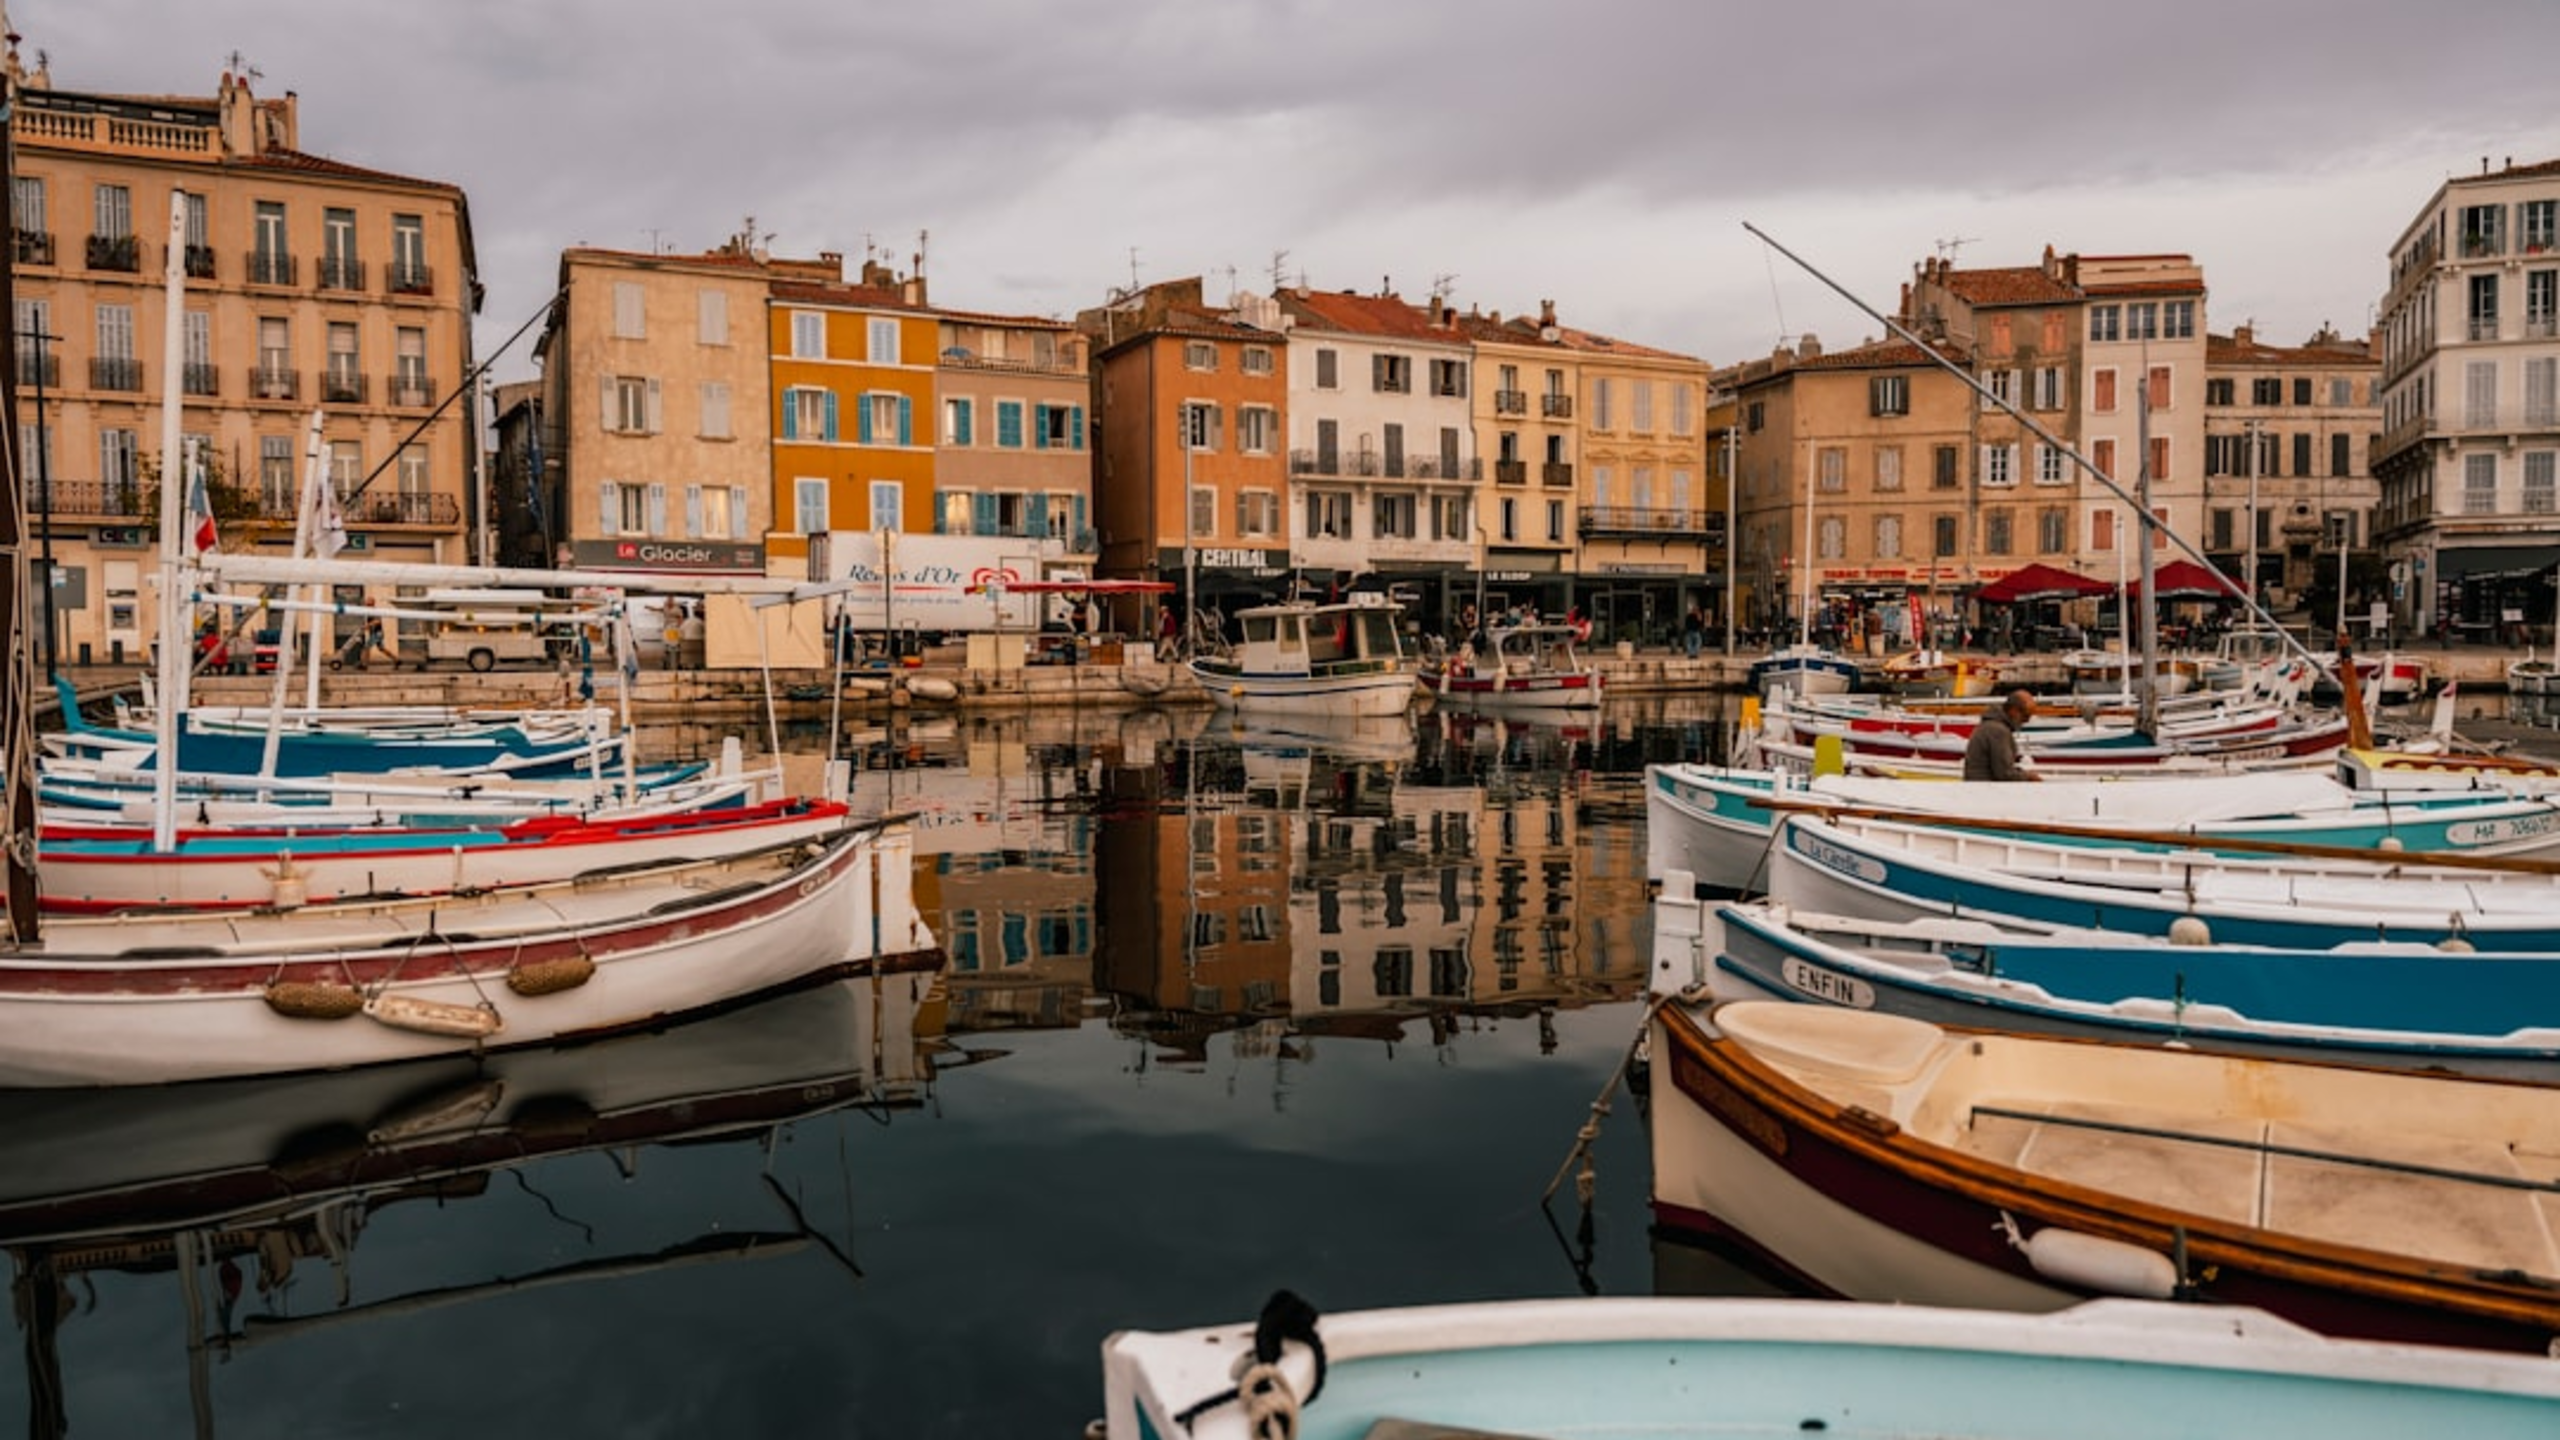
(1271, 1406)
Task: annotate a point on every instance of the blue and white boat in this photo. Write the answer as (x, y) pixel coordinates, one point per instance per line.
(1691, 1369)
(2383, 1004)
(306, 751)
(1716, 822)
(1890, 870)
(1804, 668)
(1342, 658)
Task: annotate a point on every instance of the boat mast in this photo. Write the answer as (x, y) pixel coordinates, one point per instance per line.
(176, 637)
(2148, 617)
(1804, 567)
(17, 696)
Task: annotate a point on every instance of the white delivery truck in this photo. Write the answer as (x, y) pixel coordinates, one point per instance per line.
(934, 586)
(483, 627)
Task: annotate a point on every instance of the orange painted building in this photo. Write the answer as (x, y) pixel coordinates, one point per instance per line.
(853, 398)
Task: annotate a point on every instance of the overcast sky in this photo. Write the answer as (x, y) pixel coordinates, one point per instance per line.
(1604, 154)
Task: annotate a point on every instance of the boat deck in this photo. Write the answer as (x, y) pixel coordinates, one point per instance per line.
(2415, 1200)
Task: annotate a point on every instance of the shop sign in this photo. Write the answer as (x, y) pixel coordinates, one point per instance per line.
(682, 556)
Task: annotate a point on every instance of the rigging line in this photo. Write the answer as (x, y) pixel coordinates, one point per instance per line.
(1775, 304)
(468, 380)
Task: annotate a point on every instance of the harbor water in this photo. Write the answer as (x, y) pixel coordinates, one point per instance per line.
(1227, 1009)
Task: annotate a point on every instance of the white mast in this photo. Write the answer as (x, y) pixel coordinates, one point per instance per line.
(1804, 567)
(176, 641)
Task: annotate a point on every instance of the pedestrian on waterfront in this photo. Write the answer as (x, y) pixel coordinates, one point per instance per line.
(1693, 631)
(691, 638)
(1992, 753)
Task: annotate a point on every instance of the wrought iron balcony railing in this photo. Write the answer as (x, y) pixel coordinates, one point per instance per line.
(1556, 406)
(35, 247)
(1510, 472)
(1556, 476)
(201, 379)
(269, 382)
(342, 387)
(412, 392)
(1510, 402)
(271, 267)
(1611, 520)
(115, 252)
(43, 373)
(114, 372)
(114, 499)
(199, 262)
(409, 279)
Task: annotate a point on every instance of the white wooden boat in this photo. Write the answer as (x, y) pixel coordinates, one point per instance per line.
(91, 869)
(2392, 1005)
(1881, 1157)
(1528, 667)
(1343, 658)
(1803, 668)
(1937, 673)
(1667, 1368)
(2114, 672)
(146, 999)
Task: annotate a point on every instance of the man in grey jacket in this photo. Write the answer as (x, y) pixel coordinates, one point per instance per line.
(1992, 753)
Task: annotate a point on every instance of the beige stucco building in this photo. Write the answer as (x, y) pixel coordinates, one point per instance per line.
(2288, 429)
(310, 284)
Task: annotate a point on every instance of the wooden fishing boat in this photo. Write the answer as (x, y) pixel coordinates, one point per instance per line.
(1344, 658)
(2283, 894)
(1883, 1157)
(1803, 668)
(1693, 1368)
(92, 869)
(1527, 667)
(153, 998)
(1937, 673)
(2389, 1005)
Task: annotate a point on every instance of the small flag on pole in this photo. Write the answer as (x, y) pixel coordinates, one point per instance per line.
(199, 510)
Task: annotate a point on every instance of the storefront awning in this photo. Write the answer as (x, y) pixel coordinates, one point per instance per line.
(2495, 562)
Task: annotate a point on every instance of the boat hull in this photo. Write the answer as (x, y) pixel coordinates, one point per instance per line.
(143, 1001)
(1376, 692)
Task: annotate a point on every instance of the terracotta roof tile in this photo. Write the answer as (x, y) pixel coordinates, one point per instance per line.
(322, 165)
(2012, 285)
(1381, 315)
(2228, 350)
(852, 297)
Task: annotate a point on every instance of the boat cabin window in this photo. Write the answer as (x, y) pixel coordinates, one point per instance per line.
(1260, 629)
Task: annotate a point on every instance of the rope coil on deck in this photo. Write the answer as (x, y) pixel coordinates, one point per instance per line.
(1271, 1405)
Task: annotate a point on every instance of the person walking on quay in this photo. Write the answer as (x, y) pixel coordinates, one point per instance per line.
(1992, 753)
(1693, 631)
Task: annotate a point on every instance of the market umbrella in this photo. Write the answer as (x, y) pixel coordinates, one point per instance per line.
(2187, 580)
(2040, 581)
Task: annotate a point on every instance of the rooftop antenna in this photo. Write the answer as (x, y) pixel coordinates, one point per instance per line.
(1947, 248)
(656, 246)
(1231, 282)
(1279, 269)
(922, 236)
(1134, 287)
(1442, 286)
(241, 67)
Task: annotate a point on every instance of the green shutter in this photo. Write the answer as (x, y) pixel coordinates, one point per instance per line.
(862, 419)
(1075, 427)
(1039, 427)
(906, 420)
(790, 415)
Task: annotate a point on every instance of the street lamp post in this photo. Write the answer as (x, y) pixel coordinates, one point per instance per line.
(44, 504)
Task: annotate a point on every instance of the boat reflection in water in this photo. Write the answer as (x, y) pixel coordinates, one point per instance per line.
(232, 1187)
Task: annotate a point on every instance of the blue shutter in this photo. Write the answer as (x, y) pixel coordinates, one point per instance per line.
(988, 517)
(1039, 510)
(831, 416)
(906, 420)
(862, 418)
(790, 415)
(964, 414)
(1075, 514)
(1039, 427)
(939, 499)
(1075, 427)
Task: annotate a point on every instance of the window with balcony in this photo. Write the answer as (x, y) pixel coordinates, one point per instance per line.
(271, 249)
(2542, 392)
(2541, 304)
(412, 492)
(199, 253)
(1449, 377)
(2480, 394)
(1391, 374)
(339, 267)
(2482, 231)
(2481, 307)
(119, 470)
(2539, 496)
(196, 346)
(342, 379)
(112, 245)
(409, 385)
(409, 272)
(1889, 395)
(2538, 227)
(275, 377)
(114, 366)
(27, 213)
(2479, 484)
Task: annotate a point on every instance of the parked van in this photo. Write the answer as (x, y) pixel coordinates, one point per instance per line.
(488, 626)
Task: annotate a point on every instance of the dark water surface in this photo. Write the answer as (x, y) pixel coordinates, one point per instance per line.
(1227, 1010)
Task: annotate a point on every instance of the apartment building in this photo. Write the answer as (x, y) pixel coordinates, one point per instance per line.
(2141, 413)
(1382, 460)
(1642, 522)
(1013, 454)
(1192, 403)
(2469, 513)
(2288, 432)
(854, 387)
(1861, 485)
(310, 285)
(650, 426)
(1524, 420)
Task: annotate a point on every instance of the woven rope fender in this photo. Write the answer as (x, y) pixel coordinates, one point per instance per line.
(313, 1000)
(550, 977)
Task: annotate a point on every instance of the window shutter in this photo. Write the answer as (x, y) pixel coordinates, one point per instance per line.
(1039, 511)
(611, 420)
(1217, 427)
(656, 424)
(963, 418)
(1075, 427)
(693, 512)
(609, 513)
(906, 418)
(1039, 427)
(738, 527)
(1377, 372)
(985, 513)
(657, 509)
(861, 417)
(1075, 512)
(791, 414)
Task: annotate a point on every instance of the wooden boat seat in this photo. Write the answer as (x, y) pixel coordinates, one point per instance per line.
(2206, 1179)
(1854, 1045)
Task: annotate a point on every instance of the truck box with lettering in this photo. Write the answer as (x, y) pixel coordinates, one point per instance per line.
(941, 585)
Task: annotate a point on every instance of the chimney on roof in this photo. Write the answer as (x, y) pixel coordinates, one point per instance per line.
(2050, 268)
(1546, 314)
(2071, 269)
(2244, 335)
(1808, 346)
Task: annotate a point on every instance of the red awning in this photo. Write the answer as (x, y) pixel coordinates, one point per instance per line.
(2040, 582)
(2187, 580)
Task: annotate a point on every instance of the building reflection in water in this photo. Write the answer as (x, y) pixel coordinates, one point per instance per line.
(1184, 875)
